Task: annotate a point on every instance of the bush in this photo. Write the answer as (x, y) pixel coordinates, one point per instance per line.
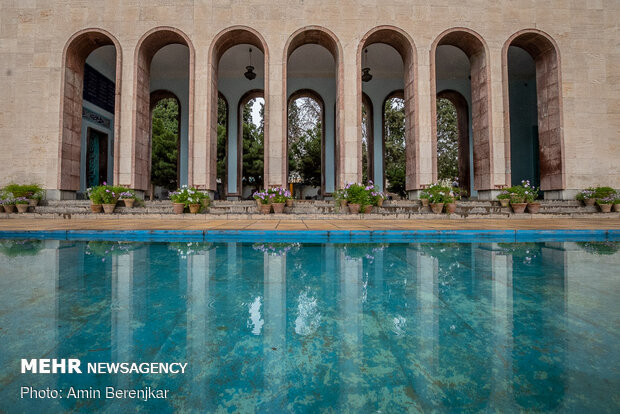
(279, 194)
(357, 194)
(33, 191)
(439, 193)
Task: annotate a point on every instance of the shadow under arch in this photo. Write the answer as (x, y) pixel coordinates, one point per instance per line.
(324, 37)
(148, 45)
(74, 55)
(545, 52)
(405, 46)
(223, 41)
(476, 49)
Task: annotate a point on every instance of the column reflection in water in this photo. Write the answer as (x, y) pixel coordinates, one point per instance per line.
(274, 344)
(424, 270)
(351, 268)
(491, 260)
(538, 355)
(200, 268)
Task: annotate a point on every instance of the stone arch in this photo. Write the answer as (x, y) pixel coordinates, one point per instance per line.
(370, 154)
(546, 54)
(151, 42)
(462, 119)
(74, 55)
(404, 45)
(309, 93)
(247, 97)
(476, 49)
(326, 38)
(223, 41)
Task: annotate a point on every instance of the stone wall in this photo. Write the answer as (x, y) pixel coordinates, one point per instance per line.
(33, 35)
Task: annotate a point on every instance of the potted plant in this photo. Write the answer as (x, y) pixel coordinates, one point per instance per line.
(32, 192)
(263, 198)
(278, 198)
(438, 196)
(96, 200)
(517, 202)
(22, 204)
(205, 200)
(504, 198)
(109, 197)
(587, 196)
(357, 197)
(128, 197)
(340, 196)
(9, 205)
(257, 198)
(605, 204)
(531, 195)
(194, 200)
(617, 204)
(424, 198)
(179, 199)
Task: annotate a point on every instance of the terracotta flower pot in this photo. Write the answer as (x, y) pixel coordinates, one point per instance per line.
(205, 202)
(96, 208)
(437, 207)
(178, 208)
(518, 208)
(380, 202)
(605, 208)
(129, 202)
(23, 208)
(258, 203)
(194, 208)
(9, 208)
(265, 208)
(450, 208)
(424, 202)
(533, 208)
(616, 207)
(367, 209)
(589, 202)
(354, 208)
(109, 208)
(33, 202)
(289, 202)
(278, 208)
(504, 202)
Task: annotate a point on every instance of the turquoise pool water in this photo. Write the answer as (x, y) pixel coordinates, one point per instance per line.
(290, 327)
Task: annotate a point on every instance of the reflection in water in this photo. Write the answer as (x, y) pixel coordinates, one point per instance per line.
(289, 327)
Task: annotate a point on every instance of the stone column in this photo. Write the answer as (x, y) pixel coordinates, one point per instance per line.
(350, 148)
(275, 117)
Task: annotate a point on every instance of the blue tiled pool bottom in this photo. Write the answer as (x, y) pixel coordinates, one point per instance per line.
(291, 327)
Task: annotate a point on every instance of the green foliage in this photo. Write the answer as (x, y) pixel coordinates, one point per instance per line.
(253, 148)
(222, 123)
(600, 248)
(395, 159)
(304, 136)
(278, 194)
(439, 193)
(605, 194)
(358, 194)
(165, 143)
(188, 195)
(523, 193)
(447, 141)
(588, 193)
(19, 248)
(33, 191)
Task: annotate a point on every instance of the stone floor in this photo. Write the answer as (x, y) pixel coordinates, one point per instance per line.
(206, 222)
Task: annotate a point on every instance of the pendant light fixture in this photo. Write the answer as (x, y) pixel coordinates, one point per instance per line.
(249, 74)
(366, 76)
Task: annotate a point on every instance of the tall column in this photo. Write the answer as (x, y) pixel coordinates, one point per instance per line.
(350, 151)
(427, 168)
(275, 118)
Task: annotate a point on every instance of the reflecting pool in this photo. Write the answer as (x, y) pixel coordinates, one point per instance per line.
(289, 327)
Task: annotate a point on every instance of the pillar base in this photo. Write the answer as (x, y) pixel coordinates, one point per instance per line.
(488, 195)
(60, 195)
(569, 194)
(414, 194)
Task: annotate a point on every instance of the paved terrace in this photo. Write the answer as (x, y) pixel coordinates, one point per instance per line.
(206, 222)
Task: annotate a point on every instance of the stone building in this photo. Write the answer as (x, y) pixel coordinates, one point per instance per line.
(535, 84)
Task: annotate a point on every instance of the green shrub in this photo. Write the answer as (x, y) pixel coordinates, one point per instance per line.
(33, 191)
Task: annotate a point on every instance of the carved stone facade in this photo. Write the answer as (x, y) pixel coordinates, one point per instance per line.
(574, 45)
